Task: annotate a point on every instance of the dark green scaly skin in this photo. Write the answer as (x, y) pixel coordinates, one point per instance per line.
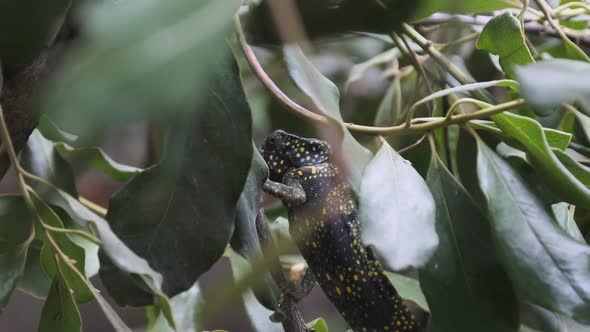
(323, 220)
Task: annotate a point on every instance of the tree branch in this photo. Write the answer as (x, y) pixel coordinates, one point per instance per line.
(531, 27)
(15, 98)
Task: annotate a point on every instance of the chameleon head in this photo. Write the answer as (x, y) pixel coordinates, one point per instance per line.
(283, 152)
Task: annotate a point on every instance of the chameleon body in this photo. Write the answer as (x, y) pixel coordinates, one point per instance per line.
(323, 220)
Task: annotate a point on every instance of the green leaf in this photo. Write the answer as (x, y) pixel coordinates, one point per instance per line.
(27, 27)
(568, 83)
(179, 214)
(565, 218)
(397, 212)
(79, 287)
(16, 233)
(465, 284)
(98, 159)
(557, 139)
(35, 281)
(245, 239)
(258, 314)
(50, 131)
(530, 135)
(408, 289)
(326, 97)
(503, 36)
(580, 171)
(545, 264)
(429, 7)
(137, 60)
(42, 159)
(184, 308)
(388, 113)
(318, 325)
(60, 312)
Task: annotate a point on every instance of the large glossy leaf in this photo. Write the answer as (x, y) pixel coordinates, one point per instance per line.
(546, 265)
(60, 312)
(344, 16)
(569, 83)
(138, 59)
(503, 36)
(27, 27)
(16, 233)
(179, 215)
(326, 97)
(245, 239)
(397, 212)
(430, 7)
(530, 135)
(557, 139)
(465, 284)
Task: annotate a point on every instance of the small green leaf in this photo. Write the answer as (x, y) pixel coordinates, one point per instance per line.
(465, 284)
(408, 289)
(569, 83)
(16, 233)
(397, 212)
(580, 171)
(98, 159)
(326, 97)
(42, 159)
(153, 46)
(503, 36)
(555, 138)
(388, 113)
(184, 308)
(565, 218)
(79, 287)
(546, 265)
(318, 325)
(60, 312)
(35, 281)
(530, 135)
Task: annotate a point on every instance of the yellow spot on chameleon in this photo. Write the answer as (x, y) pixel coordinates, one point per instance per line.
(341, 277)
(328, 276)
(355, 277)
(300, 173)
(302, 149)
(398, 323)
(314, 170)
(338, 291)
(279, 171)
(348, 290)
(322, 223)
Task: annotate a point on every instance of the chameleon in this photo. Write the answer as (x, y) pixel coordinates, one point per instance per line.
(324, 222)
